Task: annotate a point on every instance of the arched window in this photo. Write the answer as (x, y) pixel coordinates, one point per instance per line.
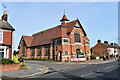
(77, 37)
(66, 52)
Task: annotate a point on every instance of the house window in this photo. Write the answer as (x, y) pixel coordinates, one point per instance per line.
(66, 40)
(66, 52)
(32, 51)
(39, 51)
(46, 51)
(1, 36)
(77, 37)
(1, 53)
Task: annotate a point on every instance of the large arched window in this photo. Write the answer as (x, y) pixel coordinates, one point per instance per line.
(77, 37)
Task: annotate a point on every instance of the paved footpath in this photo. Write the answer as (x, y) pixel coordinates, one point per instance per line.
(32, 68)
(41, 67)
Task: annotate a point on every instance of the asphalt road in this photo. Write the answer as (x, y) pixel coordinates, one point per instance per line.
(106, 71)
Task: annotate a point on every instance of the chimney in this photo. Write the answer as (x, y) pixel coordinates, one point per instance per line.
(111, 43)
(115, 44)
(99, 41)
(106, 42)
(5, 16)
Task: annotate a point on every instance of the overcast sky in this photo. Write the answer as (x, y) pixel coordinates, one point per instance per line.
(99, 19)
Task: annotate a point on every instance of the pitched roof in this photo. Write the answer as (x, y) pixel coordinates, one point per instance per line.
(28, 40)
(5, 25)
(108, 45)
(45, 37)
(70, 26)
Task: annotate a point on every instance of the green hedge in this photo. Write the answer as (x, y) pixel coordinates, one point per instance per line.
(7, 61)
(111, 56)
(41, 59)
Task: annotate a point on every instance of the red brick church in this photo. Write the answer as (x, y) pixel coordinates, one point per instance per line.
(65, 41)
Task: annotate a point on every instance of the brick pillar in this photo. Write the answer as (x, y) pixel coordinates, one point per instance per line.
(42, 52)
(35, 52)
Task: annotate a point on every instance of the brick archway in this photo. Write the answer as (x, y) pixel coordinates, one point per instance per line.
(78, 52)
(59, 56)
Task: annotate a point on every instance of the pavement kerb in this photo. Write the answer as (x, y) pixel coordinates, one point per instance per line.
(42, 71)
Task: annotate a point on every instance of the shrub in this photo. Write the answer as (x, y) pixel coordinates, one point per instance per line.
(7, 61)
(41, 59)
(111, 56)
(93, 57)
(101, 57)
(96, 55)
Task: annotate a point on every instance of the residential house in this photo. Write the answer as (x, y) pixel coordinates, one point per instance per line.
(6, 37)
(105, 49)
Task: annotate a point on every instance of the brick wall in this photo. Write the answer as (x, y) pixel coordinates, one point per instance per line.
(9, 67)
(7, 38)
(98, 49)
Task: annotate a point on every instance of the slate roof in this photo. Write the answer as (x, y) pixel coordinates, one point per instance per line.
(5, 25)
(46, 36)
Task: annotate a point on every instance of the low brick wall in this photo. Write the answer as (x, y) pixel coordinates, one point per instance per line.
(9, 67)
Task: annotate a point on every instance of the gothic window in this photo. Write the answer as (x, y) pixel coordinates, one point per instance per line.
(77, 37)
(66, 52)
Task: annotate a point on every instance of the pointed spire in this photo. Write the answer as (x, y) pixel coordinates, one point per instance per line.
(5, 16)
(64, 18)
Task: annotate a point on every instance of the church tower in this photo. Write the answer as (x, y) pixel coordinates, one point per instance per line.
(64, 20)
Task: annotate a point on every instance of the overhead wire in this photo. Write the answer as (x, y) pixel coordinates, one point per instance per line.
(5, 5)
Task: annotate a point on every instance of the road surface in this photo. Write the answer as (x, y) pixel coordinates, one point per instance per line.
(106, 71)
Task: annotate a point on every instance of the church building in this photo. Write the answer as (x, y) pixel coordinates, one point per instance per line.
(64, 42)
(6, 37)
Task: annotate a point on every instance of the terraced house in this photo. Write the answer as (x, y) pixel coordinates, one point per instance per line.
(105, 49)
(6, 37)
(63, 42)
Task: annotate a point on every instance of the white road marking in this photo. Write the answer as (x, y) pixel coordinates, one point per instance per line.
(86, 74)
(109, 67)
